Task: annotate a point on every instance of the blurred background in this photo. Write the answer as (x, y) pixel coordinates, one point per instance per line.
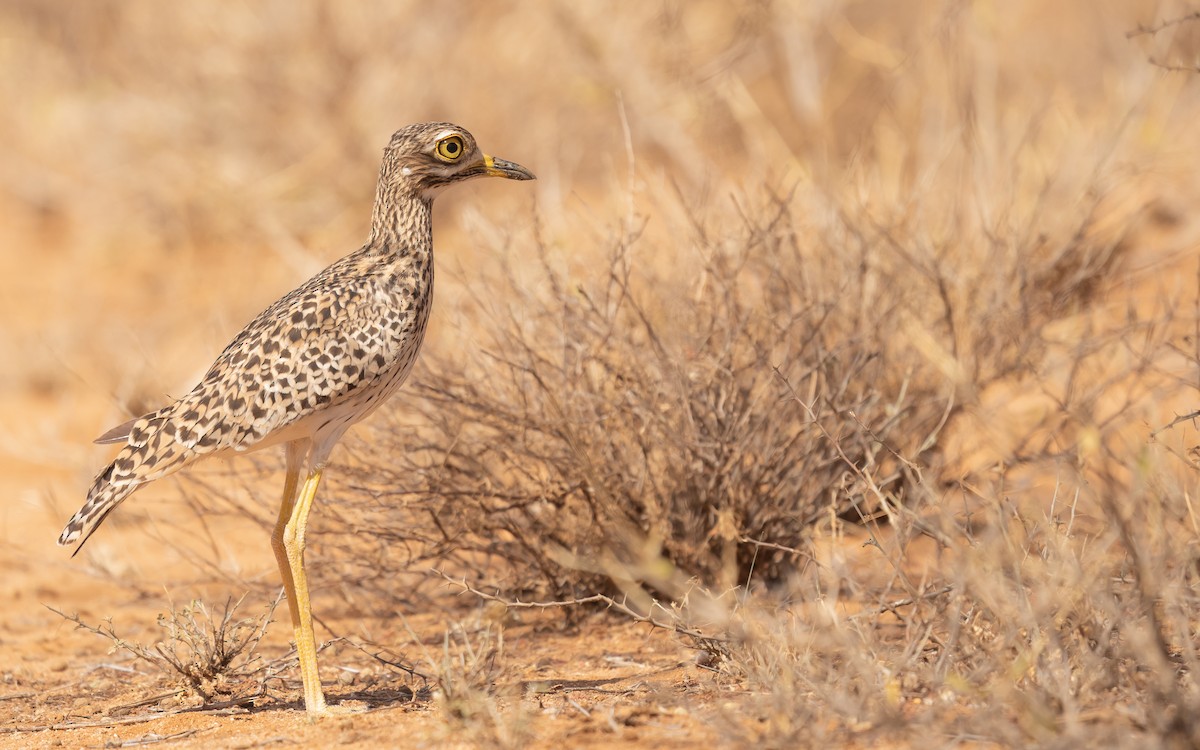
(166, 171)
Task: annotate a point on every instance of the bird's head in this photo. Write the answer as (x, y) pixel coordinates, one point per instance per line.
(424, 158)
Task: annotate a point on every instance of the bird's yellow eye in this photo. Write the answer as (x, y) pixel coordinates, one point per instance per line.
(450, 148)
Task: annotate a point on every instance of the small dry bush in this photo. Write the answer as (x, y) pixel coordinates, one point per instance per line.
(630, 414)
(214, 658)
(465, 673)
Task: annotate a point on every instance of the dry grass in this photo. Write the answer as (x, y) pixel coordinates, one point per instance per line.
(466, 671)
(835, 339)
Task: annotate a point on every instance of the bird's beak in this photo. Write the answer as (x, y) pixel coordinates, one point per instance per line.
(510, 170)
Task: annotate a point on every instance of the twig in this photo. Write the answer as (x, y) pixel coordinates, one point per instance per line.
(1177, 420)
(1173, 67)
(578, 707)
(91, 724)
(222, 706)
(144, 702)
(892, 606)
(1143, 30)
(411, 671)
(780, 547)
(608, 601)
(151, 739)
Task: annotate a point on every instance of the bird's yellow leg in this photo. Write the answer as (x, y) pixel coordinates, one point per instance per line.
(277, 545)
(306, 646)
(287, 542)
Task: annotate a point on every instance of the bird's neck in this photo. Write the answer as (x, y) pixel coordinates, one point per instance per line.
(402, 223)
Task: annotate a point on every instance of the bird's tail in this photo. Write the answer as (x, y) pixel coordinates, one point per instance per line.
(153, 451)
(103, 498)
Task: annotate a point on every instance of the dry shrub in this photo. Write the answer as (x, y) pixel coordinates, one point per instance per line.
(214, 658)
(692, 411)
(634, 414)
(1040, 634)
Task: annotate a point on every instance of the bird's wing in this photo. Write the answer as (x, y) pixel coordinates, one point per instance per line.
(308, 351)
(313, 348)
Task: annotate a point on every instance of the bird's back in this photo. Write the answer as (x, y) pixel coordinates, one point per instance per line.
(312, 364)
(350, 329)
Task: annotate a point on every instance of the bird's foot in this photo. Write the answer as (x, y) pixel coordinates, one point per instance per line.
(339, 709)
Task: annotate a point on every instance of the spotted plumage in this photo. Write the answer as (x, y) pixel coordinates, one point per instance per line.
(317, 360)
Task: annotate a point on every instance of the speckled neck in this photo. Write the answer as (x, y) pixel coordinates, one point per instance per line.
(401, 221)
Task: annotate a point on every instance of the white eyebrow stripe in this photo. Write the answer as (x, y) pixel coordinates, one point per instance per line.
(446, 133)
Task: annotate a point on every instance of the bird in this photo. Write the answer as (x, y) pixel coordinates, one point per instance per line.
(312, 364)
